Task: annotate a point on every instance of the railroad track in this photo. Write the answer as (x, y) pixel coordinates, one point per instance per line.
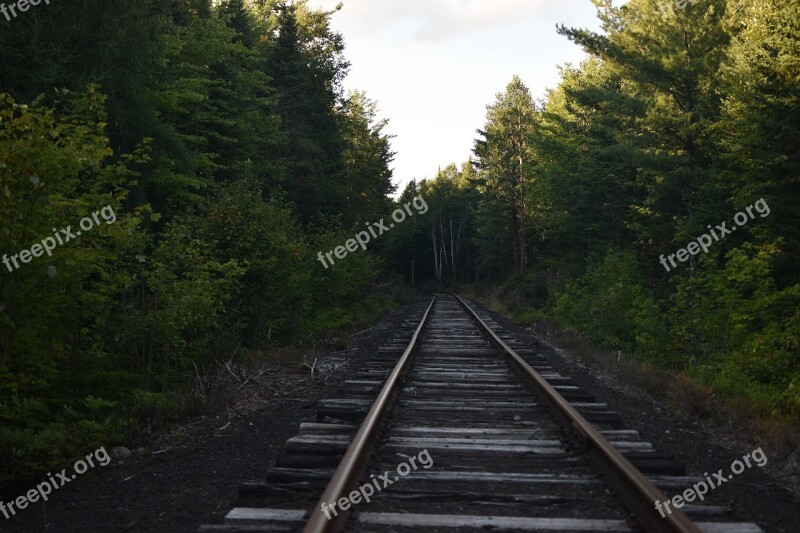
(514, 446)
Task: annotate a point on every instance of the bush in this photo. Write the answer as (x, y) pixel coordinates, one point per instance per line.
(611, 305)
(744, 332)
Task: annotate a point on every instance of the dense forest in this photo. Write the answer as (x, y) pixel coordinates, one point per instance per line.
(680, 133)
(221, 138)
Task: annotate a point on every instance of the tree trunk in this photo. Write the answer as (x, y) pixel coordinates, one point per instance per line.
(515, 240)
(437, 260)
(523, 252)
(523, 249)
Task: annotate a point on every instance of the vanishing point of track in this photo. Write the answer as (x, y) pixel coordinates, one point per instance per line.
(516, 446)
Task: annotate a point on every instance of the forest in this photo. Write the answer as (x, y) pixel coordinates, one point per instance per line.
(221, 137)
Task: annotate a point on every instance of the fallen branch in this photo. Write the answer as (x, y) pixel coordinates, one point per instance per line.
(360, 332)
(199, 381)
(231, 372)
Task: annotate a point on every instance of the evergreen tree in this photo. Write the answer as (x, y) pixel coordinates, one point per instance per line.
(313, 142)
(368, 157)
(505, 158)
(760, 127)
(668, 62)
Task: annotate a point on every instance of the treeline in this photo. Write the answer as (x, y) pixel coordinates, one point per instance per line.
(220, 135)
(679, 120)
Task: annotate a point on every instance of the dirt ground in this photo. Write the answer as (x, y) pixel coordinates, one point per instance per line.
(195, 482)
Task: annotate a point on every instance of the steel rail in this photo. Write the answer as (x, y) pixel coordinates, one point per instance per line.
(635, 491)
(352, 464)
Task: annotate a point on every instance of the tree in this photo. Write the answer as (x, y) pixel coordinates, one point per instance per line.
(588, 178)
(228, 118)
(306, 69)
(668, 64)
(760, 125)
(367, 157)
(505, 158)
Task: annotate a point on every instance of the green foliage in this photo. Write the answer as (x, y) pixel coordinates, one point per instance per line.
(528, 317)
(505, 159)
(219, 134)
(611, 304)
(343, 283)
(35, 438)
(531, 289)
(743, 329)
(367, 157)
(306, 67)
(55, 311)
(437, 241)
(676, 121)
(760, 125)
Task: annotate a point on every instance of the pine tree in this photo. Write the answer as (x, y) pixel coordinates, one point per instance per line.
(368, 155)
(505, 158)
(313, 142)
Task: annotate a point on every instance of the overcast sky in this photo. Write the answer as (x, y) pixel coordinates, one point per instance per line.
(434, 65)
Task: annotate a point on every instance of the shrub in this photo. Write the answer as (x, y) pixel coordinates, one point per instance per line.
(611, 305)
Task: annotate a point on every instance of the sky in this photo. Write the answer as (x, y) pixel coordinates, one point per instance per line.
(434, 65)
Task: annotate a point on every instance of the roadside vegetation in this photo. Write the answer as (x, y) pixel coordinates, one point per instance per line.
(221, 136)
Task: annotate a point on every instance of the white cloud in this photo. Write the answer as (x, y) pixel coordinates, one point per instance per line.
(429, 20)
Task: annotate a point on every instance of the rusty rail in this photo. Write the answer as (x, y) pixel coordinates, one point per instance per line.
(352, 464)
(635, 491)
